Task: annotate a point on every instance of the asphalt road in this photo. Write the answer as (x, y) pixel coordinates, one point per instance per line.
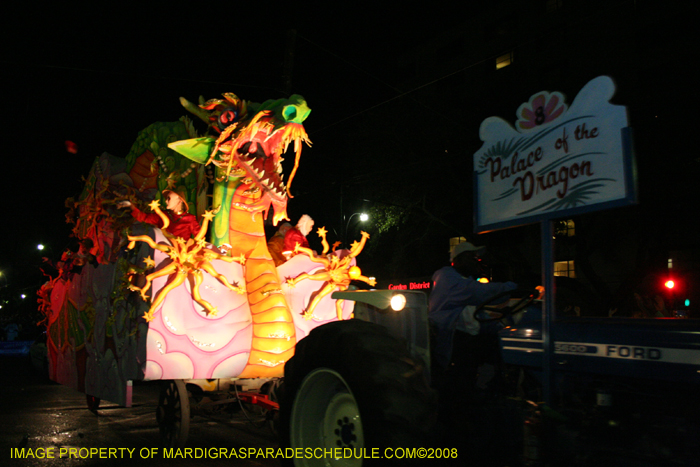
(53, 420)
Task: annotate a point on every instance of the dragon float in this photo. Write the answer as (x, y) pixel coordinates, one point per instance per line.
(247, 156)
(155, 306)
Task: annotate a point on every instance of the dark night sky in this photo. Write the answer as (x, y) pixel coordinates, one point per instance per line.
(99, 74)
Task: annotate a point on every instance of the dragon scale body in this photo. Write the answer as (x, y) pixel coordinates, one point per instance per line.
(273, 328)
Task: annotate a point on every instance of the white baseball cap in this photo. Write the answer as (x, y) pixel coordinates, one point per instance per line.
(463, 247)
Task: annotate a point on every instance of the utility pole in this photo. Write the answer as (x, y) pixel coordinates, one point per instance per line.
(288, 66)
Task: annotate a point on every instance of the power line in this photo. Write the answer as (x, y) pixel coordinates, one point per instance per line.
(491, 57)
(394, 88)
(139, 75)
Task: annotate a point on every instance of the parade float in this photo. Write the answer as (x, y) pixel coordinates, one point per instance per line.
(137, 303)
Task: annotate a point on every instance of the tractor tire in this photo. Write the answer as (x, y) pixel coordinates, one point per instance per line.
(351, 385)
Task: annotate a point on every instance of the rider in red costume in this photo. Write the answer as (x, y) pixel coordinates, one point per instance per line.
(182, 223)
(298, 234)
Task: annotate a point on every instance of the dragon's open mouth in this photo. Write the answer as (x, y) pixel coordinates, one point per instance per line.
(257, 155)
(254, 157)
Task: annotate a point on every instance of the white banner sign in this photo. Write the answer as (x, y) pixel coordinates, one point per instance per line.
(556, 162)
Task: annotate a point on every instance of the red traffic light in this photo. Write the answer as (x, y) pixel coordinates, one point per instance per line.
(669, 284)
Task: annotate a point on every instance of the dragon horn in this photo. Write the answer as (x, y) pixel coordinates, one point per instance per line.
(195, 110)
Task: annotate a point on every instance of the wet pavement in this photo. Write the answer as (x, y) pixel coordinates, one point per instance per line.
(50, 424)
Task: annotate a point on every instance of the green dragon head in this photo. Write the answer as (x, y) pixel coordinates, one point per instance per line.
(252, 139)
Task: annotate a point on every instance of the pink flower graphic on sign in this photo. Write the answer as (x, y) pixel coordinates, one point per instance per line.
(542, 108)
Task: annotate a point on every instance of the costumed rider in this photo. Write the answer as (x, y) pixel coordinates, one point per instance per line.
(461, 344)
(72, 262)
(182, 223)
(276, 244)
(298, 235)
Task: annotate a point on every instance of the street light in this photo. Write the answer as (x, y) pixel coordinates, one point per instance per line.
(44, 250)
(363, 217)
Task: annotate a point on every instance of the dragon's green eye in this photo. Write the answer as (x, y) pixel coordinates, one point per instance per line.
(296, 110)
(289, 112)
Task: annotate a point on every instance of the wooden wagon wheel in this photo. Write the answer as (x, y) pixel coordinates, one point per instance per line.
(173, 413)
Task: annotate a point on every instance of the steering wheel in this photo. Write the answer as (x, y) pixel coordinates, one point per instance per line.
(509, 310)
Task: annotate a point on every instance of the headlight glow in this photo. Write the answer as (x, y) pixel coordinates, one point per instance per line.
(398, 301)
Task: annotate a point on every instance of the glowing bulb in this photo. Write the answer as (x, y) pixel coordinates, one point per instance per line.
(363, 217)
(670, 284)
(354, 272)
(398, 301)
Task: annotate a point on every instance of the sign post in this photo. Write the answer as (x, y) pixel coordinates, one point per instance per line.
(547, 234)
(556, 162)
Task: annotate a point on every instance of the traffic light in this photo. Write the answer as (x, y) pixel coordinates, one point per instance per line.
(677, 293)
